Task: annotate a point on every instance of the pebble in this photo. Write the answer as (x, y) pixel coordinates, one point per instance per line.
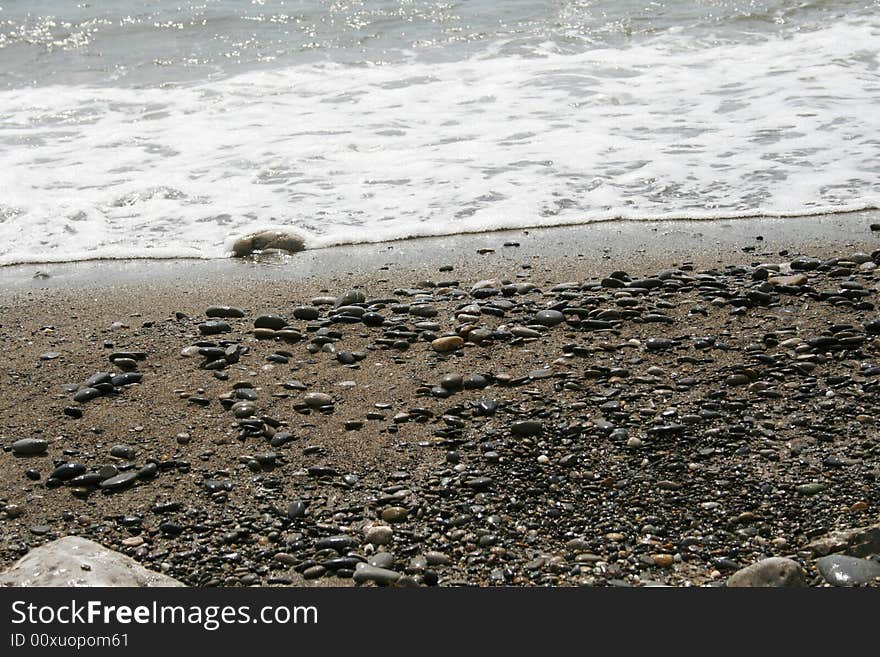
(243, 409)
(123, 452)
(29, 447)
(318, 399)
(367, 573)
(273, 322)
(87, 394)
(663, 560)
(382, 560)
(214, 328)
(340, 543)
(68, 471)
(314, 572)
(379, 535)
(119, 482)
(306, 313)
(433, 558)
(790, 281)
(394, 514)
(527, 428)
(224, 311)
(446, 344)
(350, 298)
(372, 319)
(549, 317)
(296, 509)
(811, 488)
(452, 382)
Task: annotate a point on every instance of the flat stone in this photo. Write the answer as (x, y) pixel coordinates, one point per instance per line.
(367, 573)
(843, 570)
(87, 394)
(120, 481)
(224, 311)
(448, 343)
(318, 399)
(856, 542)
(214, 327)
(811, 488)
(29, 447)
(350, 298)
(306, 313)
(394, 514)
(788, 281)
(769, 573)
(527, 428)
(274, 322)
(76, 561)
(68, 471)
(437, 559)
(339, 542)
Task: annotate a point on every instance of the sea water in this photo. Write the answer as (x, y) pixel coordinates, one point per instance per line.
(170, 128)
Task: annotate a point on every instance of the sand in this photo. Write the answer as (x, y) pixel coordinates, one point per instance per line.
(85, 311)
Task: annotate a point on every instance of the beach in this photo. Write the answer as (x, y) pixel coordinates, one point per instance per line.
(624, 404)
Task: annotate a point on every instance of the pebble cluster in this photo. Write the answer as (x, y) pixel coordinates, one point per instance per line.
(682, 428)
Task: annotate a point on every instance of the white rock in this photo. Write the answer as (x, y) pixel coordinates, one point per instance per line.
(775, 572)
(75, 561)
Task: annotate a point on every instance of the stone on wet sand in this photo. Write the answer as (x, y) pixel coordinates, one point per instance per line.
(75, 561)
(276, 240)
(773, 572)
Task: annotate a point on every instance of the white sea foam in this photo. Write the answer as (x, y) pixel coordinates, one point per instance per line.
(784, 125)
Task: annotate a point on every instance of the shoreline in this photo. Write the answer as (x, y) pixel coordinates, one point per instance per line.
(618, 406)
(580, 248)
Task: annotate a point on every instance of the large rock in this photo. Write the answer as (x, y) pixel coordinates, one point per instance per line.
(276, 240)
(857, 542)
(774, 572)
(75, 561)
(841, 570)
